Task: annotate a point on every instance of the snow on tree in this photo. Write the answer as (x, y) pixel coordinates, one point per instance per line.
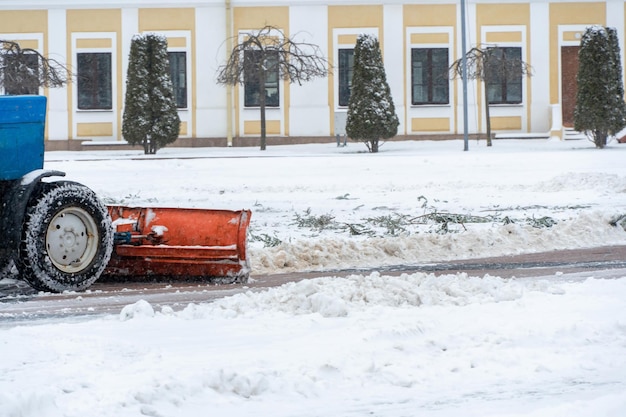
(600, 108)
(371, 112)
(150, 115)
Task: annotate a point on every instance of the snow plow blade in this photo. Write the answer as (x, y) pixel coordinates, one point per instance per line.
(179, 243)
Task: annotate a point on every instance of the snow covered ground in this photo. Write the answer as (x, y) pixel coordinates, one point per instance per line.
(369, 344)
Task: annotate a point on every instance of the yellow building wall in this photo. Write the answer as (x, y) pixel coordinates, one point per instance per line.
(431, 124)
(506, 123)
(253, 127)
(166, 19)
(24, 21)
(250, 18)
(94, 129)
(569, 14)
(425, 15)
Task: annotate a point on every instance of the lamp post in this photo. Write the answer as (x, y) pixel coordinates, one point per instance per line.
(464, 75)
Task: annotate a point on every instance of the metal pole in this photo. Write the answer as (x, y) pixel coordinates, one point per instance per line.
(229, 88)
(464, 76)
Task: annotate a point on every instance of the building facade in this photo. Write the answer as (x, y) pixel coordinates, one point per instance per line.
(418, 40)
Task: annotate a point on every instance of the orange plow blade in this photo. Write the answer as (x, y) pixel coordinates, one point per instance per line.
(180, 243)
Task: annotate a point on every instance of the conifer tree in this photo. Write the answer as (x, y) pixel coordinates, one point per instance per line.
(600, 108)
(371, 112)
(150, 114)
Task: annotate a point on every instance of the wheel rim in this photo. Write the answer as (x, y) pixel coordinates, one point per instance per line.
(72, 240)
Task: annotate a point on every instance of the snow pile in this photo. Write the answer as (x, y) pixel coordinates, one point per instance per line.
(477, 240)
(362, 345)
(141, 308)
(339, 297)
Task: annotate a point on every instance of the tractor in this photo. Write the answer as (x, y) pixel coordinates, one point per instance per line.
(58, 236)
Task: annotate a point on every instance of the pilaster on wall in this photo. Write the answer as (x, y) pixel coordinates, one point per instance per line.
(56, 123)
(472, 89)
(540, 110)
(309, 111)
(616, 18)
(393, 59)
(210, 35)
(130, 28)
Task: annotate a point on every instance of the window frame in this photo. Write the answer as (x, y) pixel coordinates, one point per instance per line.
(429, 84)
(251, 85)
(33, 65)
(180, 92)
(505, 84)
(345, 56)
(97, 103)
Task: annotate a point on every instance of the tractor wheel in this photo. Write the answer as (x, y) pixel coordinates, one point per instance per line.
(67, 238)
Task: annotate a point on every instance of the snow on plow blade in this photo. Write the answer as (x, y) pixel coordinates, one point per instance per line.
(179, 243)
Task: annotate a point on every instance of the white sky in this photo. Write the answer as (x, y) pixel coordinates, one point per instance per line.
(455, 345)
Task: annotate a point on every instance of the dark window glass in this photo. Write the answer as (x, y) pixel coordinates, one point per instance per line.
(252, 84)
(178, 74)
(346, 63)
(21, 74)
(504, 86)
(429, 76)
(94, 81)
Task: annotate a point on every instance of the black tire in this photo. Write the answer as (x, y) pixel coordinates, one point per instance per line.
(67, 238)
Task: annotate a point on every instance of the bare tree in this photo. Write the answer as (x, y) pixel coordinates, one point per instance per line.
(265, 54)
(25, 70)
(490, 64)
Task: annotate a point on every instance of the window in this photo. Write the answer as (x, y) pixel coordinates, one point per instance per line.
(346, 63)
(252, 87)
(178, 74)
(94, 81)
(429, 76)
(21, 74)
(504, 86)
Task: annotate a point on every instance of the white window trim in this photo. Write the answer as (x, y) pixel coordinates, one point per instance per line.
(450, 45)
(112, 36)
(522, 45)
(281, 90)
(253, 113)
(336, 47)
(88, 116)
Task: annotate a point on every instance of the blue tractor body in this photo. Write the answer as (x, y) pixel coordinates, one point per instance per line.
(22, 124)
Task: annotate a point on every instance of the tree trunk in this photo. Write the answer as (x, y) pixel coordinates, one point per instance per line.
(374, 146)
(262, 77)
(600, 138)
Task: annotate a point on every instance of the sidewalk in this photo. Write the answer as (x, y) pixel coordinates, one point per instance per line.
(519, 266)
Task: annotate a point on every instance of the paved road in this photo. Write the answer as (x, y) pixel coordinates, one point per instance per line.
(18, 302)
